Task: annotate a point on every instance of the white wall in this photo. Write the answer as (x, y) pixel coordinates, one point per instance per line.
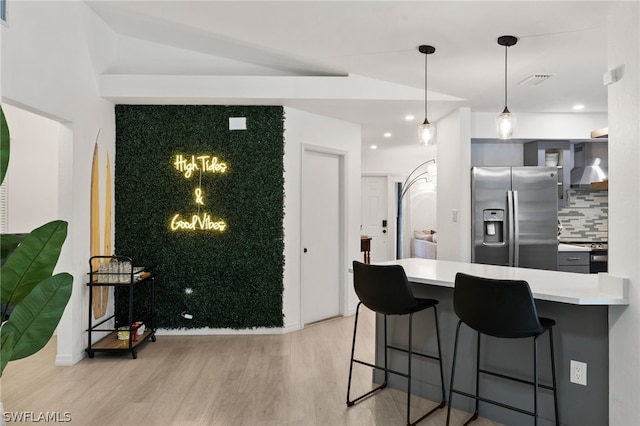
(305, 129)
(624, 213)
(396, 160)
(51, 72)
(454, 186)
(32, 176)
(422, 201)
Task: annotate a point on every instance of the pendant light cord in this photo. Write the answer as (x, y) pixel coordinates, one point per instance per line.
(426, 50)
(425, 85)
(505, 76)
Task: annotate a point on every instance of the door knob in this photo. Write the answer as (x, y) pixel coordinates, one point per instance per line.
(305, 250)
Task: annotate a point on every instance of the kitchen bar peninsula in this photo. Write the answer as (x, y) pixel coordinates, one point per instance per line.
(579, 304)
(576, 289)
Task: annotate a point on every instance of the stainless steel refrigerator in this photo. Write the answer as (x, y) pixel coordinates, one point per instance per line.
(515, 216)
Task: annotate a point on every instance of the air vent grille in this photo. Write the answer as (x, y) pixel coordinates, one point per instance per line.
(534, 79)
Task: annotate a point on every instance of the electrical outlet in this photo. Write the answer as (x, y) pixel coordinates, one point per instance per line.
(578, 372)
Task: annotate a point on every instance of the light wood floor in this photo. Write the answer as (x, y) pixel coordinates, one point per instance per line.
(298, 378)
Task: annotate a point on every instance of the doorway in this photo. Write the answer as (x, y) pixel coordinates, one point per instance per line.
(30, 194)
(375, 216)
(322, 234)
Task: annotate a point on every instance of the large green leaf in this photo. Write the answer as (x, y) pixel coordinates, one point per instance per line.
(34, 320)
(6, 348)
(8, 243)
(4, 145)
(32, 261)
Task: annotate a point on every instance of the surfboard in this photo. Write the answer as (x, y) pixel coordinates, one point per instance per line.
(107, 232)
(95, 229)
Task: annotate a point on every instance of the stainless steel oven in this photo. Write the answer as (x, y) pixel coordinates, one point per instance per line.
(599, 258)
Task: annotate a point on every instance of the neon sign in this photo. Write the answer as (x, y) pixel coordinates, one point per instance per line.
(202, 163)
(201, 221)
(197, 222)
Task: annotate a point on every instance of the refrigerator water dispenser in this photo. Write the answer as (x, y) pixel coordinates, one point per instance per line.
(493, 226)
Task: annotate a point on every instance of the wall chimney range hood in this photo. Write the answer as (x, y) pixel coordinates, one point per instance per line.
(590, 161)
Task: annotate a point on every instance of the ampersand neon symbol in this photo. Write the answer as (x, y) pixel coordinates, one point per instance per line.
(199, 196)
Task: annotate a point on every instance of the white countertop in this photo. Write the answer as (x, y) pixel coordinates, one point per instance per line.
(571, 247)
(563, 287)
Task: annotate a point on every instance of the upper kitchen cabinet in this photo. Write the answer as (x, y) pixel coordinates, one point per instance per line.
(552, 154)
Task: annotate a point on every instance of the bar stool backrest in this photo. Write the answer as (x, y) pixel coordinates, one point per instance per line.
(499, 308)
(383, 288)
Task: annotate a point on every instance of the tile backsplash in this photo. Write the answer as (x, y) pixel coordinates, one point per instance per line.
(586, 216)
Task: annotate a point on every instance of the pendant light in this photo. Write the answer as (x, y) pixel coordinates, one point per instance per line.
(426, 130)
(506, 122)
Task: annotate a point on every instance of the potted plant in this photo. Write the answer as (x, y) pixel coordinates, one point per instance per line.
(32, 298)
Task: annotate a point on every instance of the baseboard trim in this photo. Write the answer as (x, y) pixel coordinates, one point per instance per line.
(67, 360)
(227, 331)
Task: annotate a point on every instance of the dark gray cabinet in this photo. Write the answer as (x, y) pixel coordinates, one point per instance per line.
(574, 261)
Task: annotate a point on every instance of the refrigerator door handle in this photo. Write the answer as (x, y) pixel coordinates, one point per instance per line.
(516, 230)
(510, 221)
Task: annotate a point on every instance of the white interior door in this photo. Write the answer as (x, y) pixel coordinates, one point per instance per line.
(321, 189)
(374, 213)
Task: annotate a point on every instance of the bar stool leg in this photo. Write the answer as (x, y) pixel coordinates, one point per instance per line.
(553, 376)
(350, 402)
(477, 409)
(353, 348)
(386, 367)
(410, 352)
(435, 313)
(409, 370)
(453, 371)
(535, 380)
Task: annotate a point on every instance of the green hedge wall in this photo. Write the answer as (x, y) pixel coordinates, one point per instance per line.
(225, 279)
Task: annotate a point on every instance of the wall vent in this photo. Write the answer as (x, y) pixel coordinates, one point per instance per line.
(534, 79)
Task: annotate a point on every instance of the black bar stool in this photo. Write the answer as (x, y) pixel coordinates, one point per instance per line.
(386, 290)
(505, 309)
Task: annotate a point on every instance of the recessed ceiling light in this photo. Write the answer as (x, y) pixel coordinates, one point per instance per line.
(387, 135)
(409, 117)
(578, 106)
(373, 147)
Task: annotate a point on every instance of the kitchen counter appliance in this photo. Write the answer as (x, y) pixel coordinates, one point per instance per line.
(515, 216)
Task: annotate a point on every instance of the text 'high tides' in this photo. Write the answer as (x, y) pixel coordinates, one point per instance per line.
(204, 163)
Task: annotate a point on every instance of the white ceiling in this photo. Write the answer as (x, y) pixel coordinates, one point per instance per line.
(374, 44)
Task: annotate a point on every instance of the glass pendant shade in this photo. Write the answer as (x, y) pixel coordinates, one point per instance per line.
(505, 123)
(427, 133)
